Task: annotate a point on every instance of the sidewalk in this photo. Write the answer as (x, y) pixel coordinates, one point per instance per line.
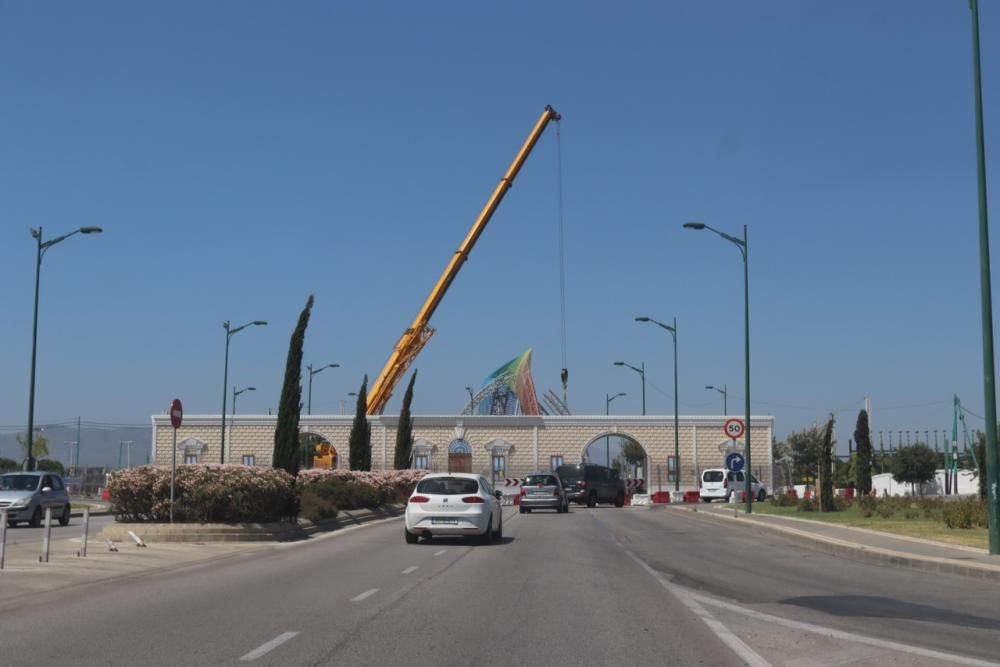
(864, 544)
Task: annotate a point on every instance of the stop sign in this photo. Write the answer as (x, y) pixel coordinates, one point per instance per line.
(176, 413)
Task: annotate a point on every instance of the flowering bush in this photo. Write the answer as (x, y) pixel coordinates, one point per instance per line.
(203, 493)
(392, 485)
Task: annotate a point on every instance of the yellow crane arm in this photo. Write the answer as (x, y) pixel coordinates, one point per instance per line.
(417, 335)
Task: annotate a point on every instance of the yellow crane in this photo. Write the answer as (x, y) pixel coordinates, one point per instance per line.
(417, 335)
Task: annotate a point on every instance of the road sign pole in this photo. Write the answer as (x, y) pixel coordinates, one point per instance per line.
(176, 417)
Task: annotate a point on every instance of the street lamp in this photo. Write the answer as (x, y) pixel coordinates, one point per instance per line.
(42, 247)
(642, 373)
(989, 380)
(725, 397)
(744, 248)
(232, 418)
(230, 332)
(677, 437)
(312, 372)
(607, 411)
(472, 401)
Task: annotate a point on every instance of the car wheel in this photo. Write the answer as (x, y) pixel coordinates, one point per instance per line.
(528, 510)
(566, 508)
(592, 499)
(761, 495)
(521, 510)
(706, 500)
(36, 518)
(12, 523)
(620, 500)
(411, 538)
(499, 534)
(487, 537)
(64, 517)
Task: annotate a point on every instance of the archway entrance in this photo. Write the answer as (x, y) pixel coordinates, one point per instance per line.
(619, 452)
(317, 452)
(459, 456)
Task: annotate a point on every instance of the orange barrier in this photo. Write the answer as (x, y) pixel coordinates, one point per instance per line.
(692, 496)
(661, 497)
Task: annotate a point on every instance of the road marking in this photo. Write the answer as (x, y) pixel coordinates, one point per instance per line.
(364, 596)
(439, 553)
(409, 569)
(738, 646)
(950, 658)
(263, 649)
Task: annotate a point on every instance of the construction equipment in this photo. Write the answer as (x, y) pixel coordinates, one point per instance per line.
(416, 336)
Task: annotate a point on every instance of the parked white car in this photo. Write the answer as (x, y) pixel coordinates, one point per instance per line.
(719, 483)
(454, 504)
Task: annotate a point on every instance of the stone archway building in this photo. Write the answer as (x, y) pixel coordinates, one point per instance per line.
(501, 446)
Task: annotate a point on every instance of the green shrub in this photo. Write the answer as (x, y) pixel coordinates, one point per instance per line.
(807, 505)
(204, 493)
(316, 508)
(930, 508)
(841, 504)
(345, 495)
(886, 508)
(867, 505)
(966, 513)
(784, 500)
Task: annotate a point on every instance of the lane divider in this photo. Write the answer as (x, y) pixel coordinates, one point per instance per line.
(264, 649)
(410, 569)
(364, 596)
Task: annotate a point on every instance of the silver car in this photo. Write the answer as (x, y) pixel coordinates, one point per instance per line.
(25, 495)
(543, 490)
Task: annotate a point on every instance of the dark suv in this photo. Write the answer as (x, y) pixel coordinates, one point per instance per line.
(592, 484)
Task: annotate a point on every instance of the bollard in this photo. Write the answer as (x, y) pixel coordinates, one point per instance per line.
(111, 545)
(82, 553)
(138, 540)
(44, 558)
(3, 536)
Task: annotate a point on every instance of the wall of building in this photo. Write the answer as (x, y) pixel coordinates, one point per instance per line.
(528, 443)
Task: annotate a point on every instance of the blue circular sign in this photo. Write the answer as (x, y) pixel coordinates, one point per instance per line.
(734, 462)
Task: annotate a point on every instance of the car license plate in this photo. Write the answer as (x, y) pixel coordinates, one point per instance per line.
(444, 522)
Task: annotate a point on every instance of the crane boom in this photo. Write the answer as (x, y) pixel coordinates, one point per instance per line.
(417, 335)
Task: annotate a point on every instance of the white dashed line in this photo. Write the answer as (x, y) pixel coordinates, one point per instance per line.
(364, 596)
(443, 551)
(409, 569)
(268, 647)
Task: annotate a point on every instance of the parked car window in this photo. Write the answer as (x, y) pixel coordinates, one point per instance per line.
(19, 482)
(448, 486)
(596, 474)
(736, 476)
(713, 476)
(570, 474)
(57, 483)
(544, 480)
(47, 481)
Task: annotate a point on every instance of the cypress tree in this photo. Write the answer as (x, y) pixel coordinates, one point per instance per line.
(404, 431)
(360, 440)
(286, 433)
(826, 481)
(862, 436)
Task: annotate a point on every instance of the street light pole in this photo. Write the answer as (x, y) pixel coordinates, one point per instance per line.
(309, 403)
(29, 463)
(607, 439)
(744, 248)
(989, 379)
(725, 395)
(677, 437)
(642, 374)
(230, 332)
(232, 418)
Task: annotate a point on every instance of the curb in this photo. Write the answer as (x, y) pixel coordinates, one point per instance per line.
(866, 553)
(247, 532)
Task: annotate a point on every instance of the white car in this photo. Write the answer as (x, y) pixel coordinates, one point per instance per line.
(449, 504)
(719, 483)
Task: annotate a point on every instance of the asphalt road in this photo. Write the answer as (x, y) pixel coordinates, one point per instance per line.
(594, 587)
(24, 534)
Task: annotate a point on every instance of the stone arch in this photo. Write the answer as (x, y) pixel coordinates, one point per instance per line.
(191, 447)
(460, 456)
(423, 452)
(608, 449)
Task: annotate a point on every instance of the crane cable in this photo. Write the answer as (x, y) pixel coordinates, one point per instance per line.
(564, 375)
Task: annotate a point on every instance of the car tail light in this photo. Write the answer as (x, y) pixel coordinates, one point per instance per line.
(420, 499)
(555, 492)
(472, 499)
(523, 492)
(699, 483)
(583, 484)
(725, 483)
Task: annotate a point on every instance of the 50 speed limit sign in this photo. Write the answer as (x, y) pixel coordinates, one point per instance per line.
(734, 428)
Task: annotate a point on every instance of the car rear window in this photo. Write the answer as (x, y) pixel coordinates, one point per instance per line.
(570, 474)
(544, 480)
(448, 486)
(713, 476)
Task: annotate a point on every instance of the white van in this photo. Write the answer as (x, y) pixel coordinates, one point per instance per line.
(719, 483)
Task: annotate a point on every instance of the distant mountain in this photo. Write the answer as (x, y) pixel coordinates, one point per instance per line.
(100, 446)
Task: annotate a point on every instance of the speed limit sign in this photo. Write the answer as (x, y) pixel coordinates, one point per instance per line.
(734, 428)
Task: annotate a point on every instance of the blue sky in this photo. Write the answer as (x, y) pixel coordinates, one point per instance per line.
(241, 156)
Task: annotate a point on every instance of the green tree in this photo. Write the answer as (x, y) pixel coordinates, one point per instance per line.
(633, 453)
(51, 465)
(8, 465)
(404, 431)
(359, 442)
(865, 458)
(826, 469)
(913, 465)
(307, 449)
(806, 448)
(287, 448)
(782, 453)
(981, 463)
(39, 445)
